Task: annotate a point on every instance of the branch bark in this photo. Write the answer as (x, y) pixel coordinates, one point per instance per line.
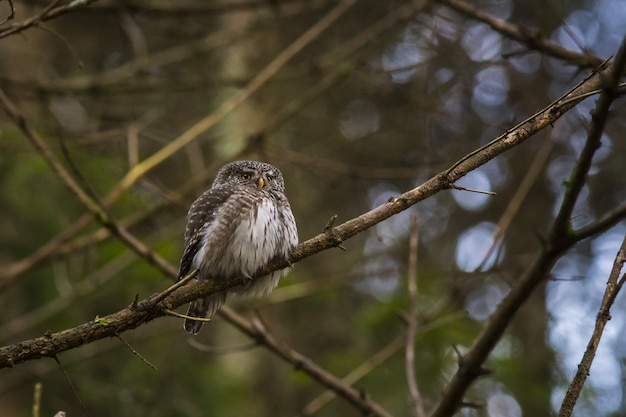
(534, 40)
(613, 287)
(49, 12)
(559, 239)
(151, 308)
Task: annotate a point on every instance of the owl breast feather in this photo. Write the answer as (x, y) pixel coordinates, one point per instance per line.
(258, 233)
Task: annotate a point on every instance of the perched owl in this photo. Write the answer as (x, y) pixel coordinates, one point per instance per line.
(235, 228)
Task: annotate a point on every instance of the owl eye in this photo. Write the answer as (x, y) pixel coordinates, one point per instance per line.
(269, 178)
(246, 176)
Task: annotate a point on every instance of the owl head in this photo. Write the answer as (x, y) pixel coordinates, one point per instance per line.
(252, 173)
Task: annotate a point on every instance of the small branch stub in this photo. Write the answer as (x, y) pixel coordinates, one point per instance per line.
(330, 230)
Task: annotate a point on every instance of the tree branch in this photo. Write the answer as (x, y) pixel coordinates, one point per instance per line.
(301, 362)
(412, 318)
(148, 309)
(560, 238)
(139, 170)
(613, 287)
(51, 11)
(532, 39)
(599, 117)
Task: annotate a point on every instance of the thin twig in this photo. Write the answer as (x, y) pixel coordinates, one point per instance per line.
(72, 387)
(144, 360)
(607, 220)
(613, 287)
(301, 362)
(178, 284)
(376, 360)
(149, 310)
(137, 171)
(47, 13)
(560, 238)
(599, 117)
(11, 13)
(234, 102)
(472, 190)
(37, 399)
(355, 375)
(532, 39)
(537, 165)
(409, 350)
(94, 205)
(184, 316)
(544, 117)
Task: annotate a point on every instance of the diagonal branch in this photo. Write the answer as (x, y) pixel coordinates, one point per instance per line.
(139, 170)
(149, 309)
(235, 101)
(412, 318)
(532, 39)
(599, 117)
(613, 287)
(560, 238)
(258, 331)
(159, 302)
(95, 207)
(49, 12)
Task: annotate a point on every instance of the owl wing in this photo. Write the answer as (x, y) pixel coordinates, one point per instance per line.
(201, 215)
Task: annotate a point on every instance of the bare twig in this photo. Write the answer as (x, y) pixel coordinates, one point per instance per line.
(472, 190)
(613, 287)
(167, 9)
(47, 13)
(148, 310)
(160, 302)
(351, 394)
(599, 117)
(608, 220)
(98, 209)
(544, 117)
(532, 39)
(186, 317)
(355, 375)
(560, 238)
(537, 165)
(376, 360)
(409, 350)
(11, 13)
(88, 284)
(9, 275)
(37, 399)
(235, 101)
(73, 388)
(139, 355)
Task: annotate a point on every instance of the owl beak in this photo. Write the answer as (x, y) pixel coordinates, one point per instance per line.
(261, 182)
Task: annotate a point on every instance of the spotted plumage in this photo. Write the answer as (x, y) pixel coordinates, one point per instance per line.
(234, 229)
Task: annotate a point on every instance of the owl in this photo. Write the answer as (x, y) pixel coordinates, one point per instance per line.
(234, 229)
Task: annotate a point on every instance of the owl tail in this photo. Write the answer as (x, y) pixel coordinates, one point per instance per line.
(203, 308)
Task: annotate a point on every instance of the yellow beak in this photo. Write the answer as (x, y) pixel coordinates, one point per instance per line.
(261, 182)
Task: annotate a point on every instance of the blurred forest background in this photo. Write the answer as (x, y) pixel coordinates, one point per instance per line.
(373, 98)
